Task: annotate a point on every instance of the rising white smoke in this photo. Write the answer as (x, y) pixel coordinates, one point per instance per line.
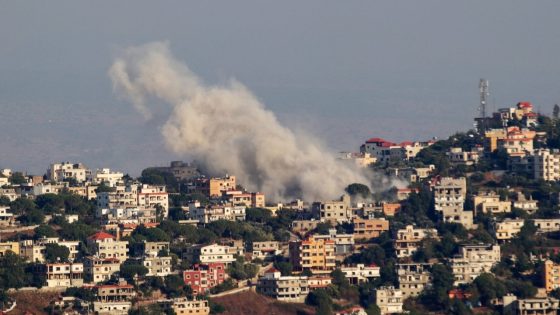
(227, 129)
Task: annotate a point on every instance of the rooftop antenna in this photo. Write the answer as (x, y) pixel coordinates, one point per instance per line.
(484, 95)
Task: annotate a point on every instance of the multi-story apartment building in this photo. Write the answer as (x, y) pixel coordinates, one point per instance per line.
(411, 174)
(518, 142)
(528, 205)
(314, 254)
(536, 306)
(413, 278)
(551, 276)
(153, 197)
(9, 193)
(215, 212)
(59, 172)
(122, 197)
(180, 170)
(360, 273)
(449, 197)
(474, 260)
(369, 228)
(384, 150)
(265, 250)
(458, 156)
(410, 238)
(63, 274)
(546, 165)
(343, 243)
(34, 251)
(490, 203)
(201, 278)
(361, 159)
(389, 300)
(214, 253)
(508, 228)
(302, 227)
(101, 269)
(335, 211)
(158, 266)
(247, 199)
(113, 298)
(184, 306)
(213, 187)
(283, 288)
(106, 176)
(73, 246)
(105, 245)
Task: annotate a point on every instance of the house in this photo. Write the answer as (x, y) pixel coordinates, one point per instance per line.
(265, 250)
(106, 176)
(334, 211)
(303, 227)
(101, 269)
(6, 218)
(202, 277)
(389, 300)
(343, 243)
(508, 228)
(213, 187)
(6, 247)
(104, 245)
(360, 273)
(247, 199)
(410, 238)
(360, 159)
(314, 254)
(458, 156)
(547, 225)
(215, 212)
(154, 197)
(59, 172)
(490, 203)
(158, 266)
(214, 253)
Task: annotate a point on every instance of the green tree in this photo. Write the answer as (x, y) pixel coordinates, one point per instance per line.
(44, 230)
(32, 217)
(22, 205)
(12, 271)
(358, 190)
(129, 271)
(321, 300)
(50, 203)
(260, 215)
(556, 111)
(4, 201)
(17, 178)
(56, 253)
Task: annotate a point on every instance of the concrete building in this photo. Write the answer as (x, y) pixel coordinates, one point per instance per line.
(206, 254)
(265, 250)
(474, 260)
(551, 276)
(158, 266)
(283, 288)
(63, 274)
(302, 227)
(6, 218)
(154, 197)
(547, 225)
(389, 300)
(410, 238)
(215, 212)
(413, 278)
(314, 254)
(369, 228)
(458, 156)
(113, 298)
(449, 197)
(184, 306)
(360, 273)
(360, 159)
(335, 211)
(59, 172)
(212, 187)
(536, 306)
(201, 278)
(105, 245)
(106, 176)
(490, 203)
(411, 174)
(546, 165)
(101, 269)
(343, 243)
(6, 247)
(181, 170)
(508, 228)
(528, 205)
(385, 151)
(247, 199)
(123, 197)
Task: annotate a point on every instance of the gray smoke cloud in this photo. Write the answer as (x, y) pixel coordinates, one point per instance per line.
(227, 129)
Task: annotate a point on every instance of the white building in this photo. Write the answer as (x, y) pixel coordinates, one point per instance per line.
(449, 197)
(389, 300)
(105, 175)
(211, 254)
(474, 260)
(6, 218)
(361, 273)
(60, 172)
(410, 238)
(211, 213)
(508, 228)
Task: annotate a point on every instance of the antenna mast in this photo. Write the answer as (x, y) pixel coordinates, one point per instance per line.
(484, 95)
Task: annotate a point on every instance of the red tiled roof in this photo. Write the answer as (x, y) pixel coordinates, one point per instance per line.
(525, 105)
(271, 270)
(101, 236)
(371, 140)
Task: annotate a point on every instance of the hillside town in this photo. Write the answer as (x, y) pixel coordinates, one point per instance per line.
(473, 227)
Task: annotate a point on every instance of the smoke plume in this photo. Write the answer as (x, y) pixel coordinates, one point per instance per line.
(227, 129)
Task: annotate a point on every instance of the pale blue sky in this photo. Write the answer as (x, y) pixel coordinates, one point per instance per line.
(342, 70)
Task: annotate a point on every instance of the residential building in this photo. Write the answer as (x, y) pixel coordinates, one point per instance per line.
(389, 300)
(106, 176)
(9, 247)
(215, 212)
(314, 254)
(536, 306)
(413, 278)
(528, 205)
(105, 245)
(410, 238)
(48, 188)
(360, 273)
(343, 243)
(411, 174)
(547, 225)
(490, 203)
(384, 150)
(191, 307)
(101, 269)
(158, 266)
(458, 156)
(302, 227)
(518, 142)
(122, 197)
(6, 218)
(360, 159)
(214, 253)
(113, 298)
(63, 274)
(551, 276)
(180, 170)
(335, 211)
(64, 171)
(283, 288)
(247, 199)
(265, 250)
(9, 193)
(202, 277)
(474, 260)
(154, 197)
(369, 228)
(508, 228)
(73, 246)
(213, 187)
(449, 197)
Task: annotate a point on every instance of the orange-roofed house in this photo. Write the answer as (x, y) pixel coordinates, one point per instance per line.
(105, 245)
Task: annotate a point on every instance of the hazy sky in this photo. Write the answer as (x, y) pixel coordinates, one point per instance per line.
(342, 70)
